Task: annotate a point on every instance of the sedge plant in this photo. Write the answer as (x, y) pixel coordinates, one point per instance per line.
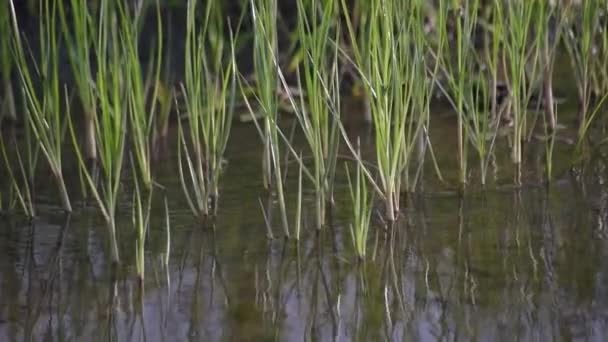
(141, 222)
(583, 21)
(467, 86)
(362, 201)
(209, 92)
(7, 65)
(44, 98)
(521, 59)
(458, 62)
(19, 186)
(110, 123)
(79, 33)
(141, 118)
(389, 56)
(266, 68)
(314, 113)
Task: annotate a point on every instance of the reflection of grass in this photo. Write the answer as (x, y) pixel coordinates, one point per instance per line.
(44, 109)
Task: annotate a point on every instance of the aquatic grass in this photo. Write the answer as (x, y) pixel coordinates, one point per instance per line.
(549, 28)
(166, 93)
(141, 117)
(141, 223)
(521, 59)
(209, 92)
(110, 123)
(361, 200)
(18, 183)
(79, 34)
(265, 62)
(317, 76)
(43, 103)
(7, 64)
(600, 60)
(461, 89)
(580, 38)
(391, 62)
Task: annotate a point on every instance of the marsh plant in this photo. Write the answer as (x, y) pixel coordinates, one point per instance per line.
(110, 122)
(7, 99)
(141, 222)
(521, 59)
(361, 200)
(19, 179)
(459, 61)
(209, 92)
(318, 110)
(266, 68)
(79, 33)
(549, 28)
(141, 88)
(43, 92)
(389, 56)
(585, 40)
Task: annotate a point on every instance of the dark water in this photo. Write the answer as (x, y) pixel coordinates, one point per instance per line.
(503, 264)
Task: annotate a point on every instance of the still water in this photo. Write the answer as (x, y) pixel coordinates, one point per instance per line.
(501, 264)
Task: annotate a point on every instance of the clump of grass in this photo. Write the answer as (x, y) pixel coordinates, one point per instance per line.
(141, 223)
(79, 38)
(459, 61)
(19, 186)
(580, 40)
(521, 59)
(319, 82)
(389, 55)
(549, 30)
(7, 64)
(265, 60)
(141, 118)
(209, 92)
(110, 123)
(362, 201)
(43, 104)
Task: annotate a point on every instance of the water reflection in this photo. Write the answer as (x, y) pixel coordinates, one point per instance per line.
(523, 264)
